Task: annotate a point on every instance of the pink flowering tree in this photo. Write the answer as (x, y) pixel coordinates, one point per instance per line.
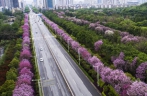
(117, 77)
(141, 71)
(25, 54)
(75, 45)
(23, 90)
(84, 53)
(25, 63)
(119, 61)
(98, 44)
(137, 88)
(93, 60)
(24, 81)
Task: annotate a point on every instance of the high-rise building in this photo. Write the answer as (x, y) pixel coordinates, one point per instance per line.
(8, 4)
(3, 4)
(15, 3)
(50, 4)
(99, 1)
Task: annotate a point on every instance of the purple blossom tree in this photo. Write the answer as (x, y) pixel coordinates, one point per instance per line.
(93, 60)
(141, 71)
(25, 54)
(98, 44)
(27, 71)
(75, 45)
(105, 73)
(137, 88)
(84, 53)
(98, 66)
(92, 25)
(23, 90)
(122, 88)
(117, 77)
(25, 63)
(24, 79)
(119, 61)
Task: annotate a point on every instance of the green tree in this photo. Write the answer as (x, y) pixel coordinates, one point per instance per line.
(14, 63)
(11, 74)
(7, 88)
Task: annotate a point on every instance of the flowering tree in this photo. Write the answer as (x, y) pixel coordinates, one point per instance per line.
(99, 29)
(25, 54)
(75, 45)
(117, 77)
(93, 60)
(27, 71)
(141, 71)
(92, 25)
(25, 34)
(25, 63)
(23, 90)
(26, 40)
(122, 88)
(129, 38)
(23, 85)
(98, 44)
(84, 53)
(119, 61)
(109, 32)
(24, 79)
(137, 88)
(105, 73)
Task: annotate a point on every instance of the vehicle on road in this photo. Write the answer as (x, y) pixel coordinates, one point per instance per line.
(41, 59)
(41, 49)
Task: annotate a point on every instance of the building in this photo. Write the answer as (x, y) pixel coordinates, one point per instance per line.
(15, 4)
(50, 4)
(3, 3)
(9, 4)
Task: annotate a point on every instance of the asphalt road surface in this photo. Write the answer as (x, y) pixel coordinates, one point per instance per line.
(57, 65)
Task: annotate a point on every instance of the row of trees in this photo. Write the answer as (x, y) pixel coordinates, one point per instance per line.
(108, 32)
(23, 85)
(114, 77)
(8, 31)
(131, 19)
(110, 44)
(10, 59)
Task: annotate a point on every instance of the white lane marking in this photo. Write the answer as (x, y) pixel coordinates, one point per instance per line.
(58, 85)
(74, 81)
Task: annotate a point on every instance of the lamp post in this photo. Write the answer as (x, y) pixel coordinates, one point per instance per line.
(60, 36)
(79, 56)
(68, 44)
(39, 84)
(97, 74)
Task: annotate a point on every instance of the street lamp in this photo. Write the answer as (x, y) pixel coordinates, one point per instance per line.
(68, 44)
(79, 55)
(97, 74)
(39, 84)
(38, 79)
(60, 36)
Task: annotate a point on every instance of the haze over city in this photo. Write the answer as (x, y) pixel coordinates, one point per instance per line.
(73, 48)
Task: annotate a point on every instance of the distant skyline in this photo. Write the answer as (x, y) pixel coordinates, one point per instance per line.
(30, 1)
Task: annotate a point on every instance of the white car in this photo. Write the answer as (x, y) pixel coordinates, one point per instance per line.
(41, 59)
(41, 49)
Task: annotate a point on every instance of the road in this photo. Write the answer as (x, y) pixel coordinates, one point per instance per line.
(70, 77)
(47, 68)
